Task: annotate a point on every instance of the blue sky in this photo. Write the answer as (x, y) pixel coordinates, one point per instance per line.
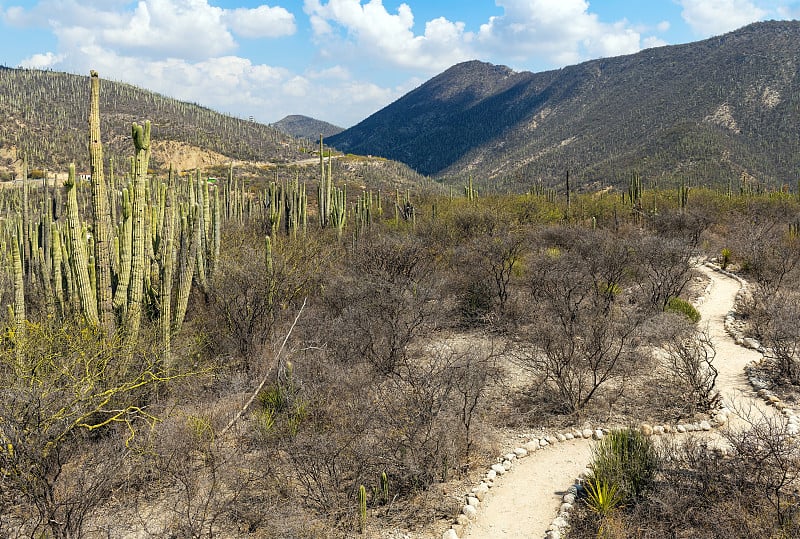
(340, 60)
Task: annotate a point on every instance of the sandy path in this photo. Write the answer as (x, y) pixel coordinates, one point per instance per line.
(525, 500)
(731, 359)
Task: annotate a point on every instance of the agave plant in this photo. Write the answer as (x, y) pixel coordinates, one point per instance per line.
(603, 497)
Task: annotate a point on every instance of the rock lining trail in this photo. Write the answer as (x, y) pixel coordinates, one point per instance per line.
(525, 500)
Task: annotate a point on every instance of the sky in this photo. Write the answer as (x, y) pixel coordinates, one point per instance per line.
(340, 60)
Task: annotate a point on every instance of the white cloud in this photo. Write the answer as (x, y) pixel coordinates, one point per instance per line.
(663, 26)
(650, 42)
(350, 28)
(557, 32)
(41, 61)
(263, 21)
(711, 17)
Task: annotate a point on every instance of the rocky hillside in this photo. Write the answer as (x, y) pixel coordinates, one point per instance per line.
(720, 110)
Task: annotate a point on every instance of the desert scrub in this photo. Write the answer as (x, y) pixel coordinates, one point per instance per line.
(678, 305)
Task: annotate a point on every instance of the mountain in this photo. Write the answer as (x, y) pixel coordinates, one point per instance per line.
(304, 127)
(44, 114)
(711, 111)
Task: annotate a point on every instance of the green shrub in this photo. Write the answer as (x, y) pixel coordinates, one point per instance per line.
(626, 459)
(677, 305)
(725, 258)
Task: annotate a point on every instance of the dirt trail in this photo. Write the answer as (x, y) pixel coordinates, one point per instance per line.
(523, 502)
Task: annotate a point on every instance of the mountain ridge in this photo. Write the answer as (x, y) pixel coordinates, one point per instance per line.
(306, 127)
(711, 110)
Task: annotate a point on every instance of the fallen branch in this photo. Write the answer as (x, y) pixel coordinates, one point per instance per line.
(266, 375)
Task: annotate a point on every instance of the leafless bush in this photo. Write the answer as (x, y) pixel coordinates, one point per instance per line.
(581, 337)
(200, 481)
(387, 297)
(781, 335)
(690, 357)
(252, 297)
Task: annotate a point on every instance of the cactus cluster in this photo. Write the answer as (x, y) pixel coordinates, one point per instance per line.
(110, 255)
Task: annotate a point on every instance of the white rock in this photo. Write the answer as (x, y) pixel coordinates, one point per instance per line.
(646, 429)
(491, 474)
(450, 534)
(510, 456)
(560, 522)
(566, 507)
(473, 501)
(658, 430)
(561, 438)
(470, 512)
(569, 436)
(462, 519)
(705, 425)
(587, 433)
(721, 419)
(531, 446)
(543, 443)
(553, 534)
(552, 440)
(568, 498)
(521, 452)
(499, 469)
(507, 464)
(480, 491)
(680, 428)
(598, 434)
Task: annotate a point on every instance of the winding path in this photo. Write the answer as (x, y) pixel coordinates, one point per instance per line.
(523, 503)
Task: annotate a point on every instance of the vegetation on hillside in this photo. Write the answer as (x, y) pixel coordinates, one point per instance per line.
(719, 111)
(43, 114)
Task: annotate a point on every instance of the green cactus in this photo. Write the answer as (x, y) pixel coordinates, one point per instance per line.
(141, 142)
(362, 509)
(683, 195)
(167, 270)
(100, 213)
(385, 487)
(79, 258)
(19, 289)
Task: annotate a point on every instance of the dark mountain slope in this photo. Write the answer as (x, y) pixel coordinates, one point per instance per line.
(710, 111)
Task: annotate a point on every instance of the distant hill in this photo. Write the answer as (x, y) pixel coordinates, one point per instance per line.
(305, 127)
(712, 111)
(44, 114)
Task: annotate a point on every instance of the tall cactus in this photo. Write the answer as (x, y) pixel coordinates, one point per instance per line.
(167, 270)
(141, 141)
(100, 213)
(19, 288)
(79, 257)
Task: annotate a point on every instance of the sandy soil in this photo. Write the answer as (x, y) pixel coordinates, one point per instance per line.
(525, 500)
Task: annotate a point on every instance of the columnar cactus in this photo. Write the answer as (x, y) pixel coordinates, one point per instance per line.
(79, 257)
(167, 270)
(141, 141)
(100, 213)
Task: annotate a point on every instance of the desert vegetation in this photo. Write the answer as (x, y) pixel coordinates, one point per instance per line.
(292, 357)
